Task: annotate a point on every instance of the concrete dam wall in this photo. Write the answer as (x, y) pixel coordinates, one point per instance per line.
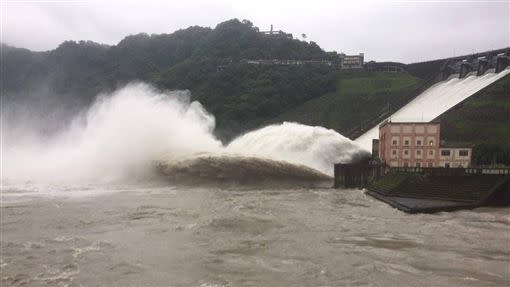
(436, 100)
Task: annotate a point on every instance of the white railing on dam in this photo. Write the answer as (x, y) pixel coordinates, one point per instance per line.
(454, 171)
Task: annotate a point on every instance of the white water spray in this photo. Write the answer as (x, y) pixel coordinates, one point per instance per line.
(316, 147)
(122, 134)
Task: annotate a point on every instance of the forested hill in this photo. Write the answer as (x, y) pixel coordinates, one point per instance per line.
(85, 64)
(211, 63)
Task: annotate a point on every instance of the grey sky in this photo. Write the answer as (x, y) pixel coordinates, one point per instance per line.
(407, 31)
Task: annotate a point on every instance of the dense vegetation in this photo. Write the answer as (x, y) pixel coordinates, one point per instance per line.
(243, 95)
(84, 64)
(358, 96)
(483, 120)
(209, 62)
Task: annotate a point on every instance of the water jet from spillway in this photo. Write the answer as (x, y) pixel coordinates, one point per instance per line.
(239, 170)
(123, 133)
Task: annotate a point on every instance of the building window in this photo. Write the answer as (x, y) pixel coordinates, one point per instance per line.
(418, 152)
(463, 152)
(431, 142)
(446, 165)
(393, 153)
(418, 164)
(406, 142)
(431, 164)
(445, 152)
(431, 154)
(394, 142)
(406, 164)
(406, 152)
(418, 142)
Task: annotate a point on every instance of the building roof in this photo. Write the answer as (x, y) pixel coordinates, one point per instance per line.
(408, 123)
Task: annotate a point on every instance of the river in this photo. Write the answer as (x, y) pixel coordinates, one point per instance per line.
(156, 235)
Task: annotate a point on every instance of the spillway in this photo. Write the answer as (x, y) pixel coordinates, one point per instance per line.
(434, 101)
(123, 134)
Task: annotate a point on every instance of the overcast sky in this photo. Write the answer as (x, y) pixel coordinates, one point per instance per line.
(406, 31)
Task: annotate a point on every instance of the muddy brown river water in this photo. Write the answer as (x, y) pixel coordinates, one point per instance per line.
(175, 236)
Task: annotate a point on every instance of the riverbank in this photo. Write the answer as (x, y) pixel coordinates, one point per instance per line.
(431, 190)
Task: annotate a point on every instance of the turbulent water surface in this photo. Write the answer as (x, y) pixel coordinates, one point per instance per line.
(176, 236)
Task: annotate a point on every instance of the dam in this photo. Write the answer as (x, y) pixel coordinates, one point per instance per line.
(457, 80)
(406, 181)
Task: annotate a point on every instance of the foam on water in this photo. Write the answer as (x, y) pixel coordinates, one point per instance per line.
(435, 101)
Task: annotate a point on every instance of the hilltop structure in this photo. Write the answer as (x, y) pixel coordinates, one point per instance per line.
(351, 61)
(341, 62)
(277, 34)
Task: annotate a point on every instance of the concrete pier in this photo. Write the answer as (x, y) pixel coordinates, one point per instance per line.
(356, 175)
(428, 190)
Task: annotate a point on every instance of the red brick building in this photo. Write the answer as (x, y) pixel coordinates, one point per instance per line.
(410, 144)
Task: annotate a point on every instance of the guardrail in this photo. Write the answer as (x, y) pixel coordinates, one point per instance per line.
(453, 171)
(370, 123)
(367, 125)
(496, 51)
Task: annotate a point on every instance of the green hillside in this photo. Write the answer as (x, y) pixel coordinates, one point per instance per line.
(242, 96)
(483, 120)
(210, 62)
(358, 97)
